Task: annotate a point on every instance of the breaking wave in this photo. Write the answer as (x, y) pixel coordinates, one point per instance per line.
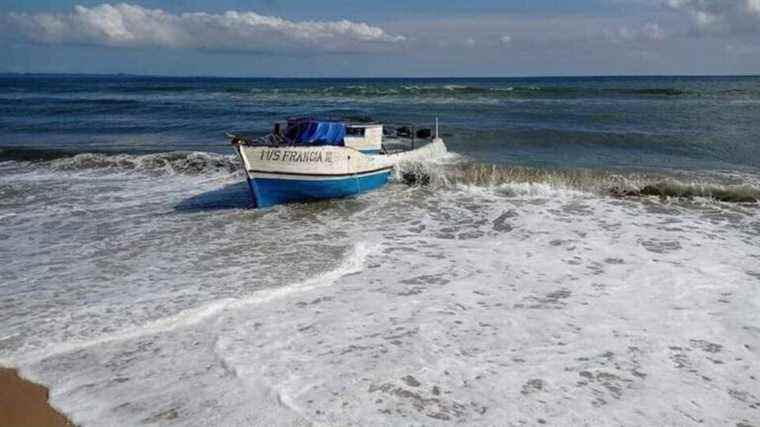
(495, 92)
(434, 174)
(422, 89)
(110, 97)
(174, 162)
(180, 163)
(464, 90)
(598, 182)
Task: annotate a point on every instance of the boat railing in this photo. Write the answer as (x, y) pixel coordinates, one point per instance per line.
(403, 134)
(397, 137)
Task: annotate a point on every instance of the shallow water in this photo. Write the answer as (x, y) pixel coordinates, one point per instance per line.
(561, 288)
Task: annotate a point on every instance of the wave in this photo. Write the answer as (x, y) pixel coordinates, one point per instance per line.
(25, 101)
(152, 88)
(352, 263)
(590, 181)
(658, 92)
(31, 154)
(464, 92)
(428, 173)
(174, 162)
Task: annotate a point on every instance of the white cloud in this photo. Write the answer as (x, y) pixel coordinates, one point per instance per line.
(646, 32)
(127, 25)
(721, 16)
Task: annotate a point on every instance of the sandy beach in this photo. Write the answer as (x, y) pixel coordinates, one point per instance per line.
(23, 403)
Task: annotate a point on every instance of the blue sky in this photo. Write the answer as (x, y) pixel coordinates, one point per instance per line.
(334, 38)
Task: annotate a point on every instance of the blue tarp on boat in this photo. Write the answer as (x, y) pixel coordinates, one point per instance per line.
(316, 132)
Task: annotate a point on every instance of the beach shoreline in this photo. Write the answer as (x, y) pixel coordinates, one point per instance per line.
(23, 403)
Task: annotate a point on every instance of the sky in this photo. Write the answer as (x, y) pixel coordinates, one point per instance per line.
(386, 38)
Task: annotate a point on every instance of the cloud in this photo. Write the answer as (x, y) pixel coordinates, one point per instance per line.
(127, 25)
(506, 39)
(646, 32)
(721, 16)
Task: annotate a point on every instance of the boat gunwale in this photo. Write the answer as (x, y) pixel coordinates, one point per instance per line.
(334, 147)
(382, 169)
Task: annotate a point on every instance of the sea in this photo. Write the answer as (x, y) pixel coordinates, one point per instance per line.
(588, 253)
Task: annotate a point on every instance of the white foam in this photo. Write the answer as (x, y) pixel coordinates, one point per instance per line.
(506, 309)
(352, 264)
(183, 163)
(505, 306)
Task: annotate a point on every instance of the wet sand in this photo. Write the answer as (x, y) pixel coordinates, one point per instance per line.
(23, 403)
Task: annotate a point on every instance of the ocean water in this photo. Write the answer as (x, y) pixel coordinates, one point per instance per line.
(589, 253)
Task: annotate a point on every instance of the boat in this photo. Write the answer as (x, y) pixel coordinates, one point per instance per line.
(305, 159)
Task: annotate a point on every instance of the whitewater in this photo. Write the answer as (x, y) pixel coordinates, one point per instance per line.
(141, 290)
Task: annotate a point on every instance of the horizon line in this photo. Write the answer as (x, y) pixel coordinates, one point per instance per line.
(212, 76)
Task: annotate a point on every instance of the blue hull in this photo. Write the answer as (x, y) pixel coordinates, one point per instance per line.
(274, 191)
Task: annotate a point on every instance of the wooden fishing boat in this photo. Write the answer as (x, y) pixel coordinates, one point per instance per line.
(309, 159)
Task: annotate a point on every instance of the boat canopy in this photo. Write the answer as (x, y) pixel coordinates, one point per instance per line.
(315, 132)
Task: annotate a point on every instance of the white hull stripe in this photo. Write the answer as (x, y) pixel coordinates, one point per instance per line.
(314, 177)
